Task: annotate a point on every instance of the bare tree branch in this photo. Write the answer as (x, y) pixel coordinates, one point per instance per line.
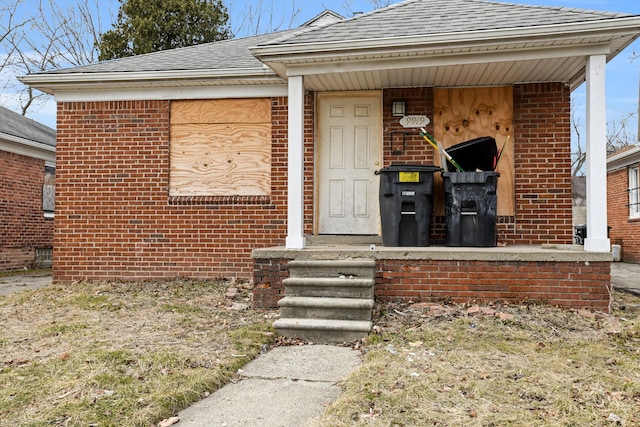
(263, 16)
(47, 38)
(620, 134)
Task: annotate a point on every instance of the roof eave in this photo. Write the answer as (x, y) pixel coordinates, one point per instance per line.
(623, 159)
(619, 27)
(26, 147)
(52, 82)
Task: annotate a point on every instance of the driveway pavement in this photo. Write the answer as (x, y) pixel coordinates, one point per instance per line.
(626, 277)
(21, 282)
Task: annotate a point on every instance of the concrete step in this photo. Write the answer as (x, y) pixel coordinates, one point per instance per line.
(326, 308)
(364, 268)
(323, 330)
(328, 287)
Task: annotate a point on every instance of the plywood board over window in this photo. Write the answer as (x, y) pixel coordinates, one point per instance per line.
(462, 114)
(220, 147)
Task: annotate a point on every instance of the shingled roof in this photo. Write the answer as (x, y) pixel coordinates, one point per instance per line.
(429, 17)
(415, 35)
(17, 127)
(225, 54)
(21, 135)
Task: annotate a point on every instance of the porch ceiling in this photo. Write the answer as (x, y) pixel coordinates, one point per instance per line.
(570, 70)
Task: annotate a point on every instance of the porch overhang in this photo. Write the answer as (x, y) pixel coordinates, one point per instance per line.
(553, 53)
(568, 53)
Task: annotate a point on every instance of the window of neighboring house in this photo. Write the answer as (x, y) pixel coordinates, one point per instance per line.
(220, 147)
(48, 191)
(634, 191)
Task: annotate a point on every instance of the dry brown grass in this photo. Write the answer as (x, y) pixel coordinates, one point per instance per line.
(125, 354)
(110, 354)
(546, 367)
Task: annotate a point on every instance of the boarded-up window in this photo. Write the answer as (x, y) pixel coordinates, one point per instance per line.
(49, 191)
(220, 148)
(462, 114)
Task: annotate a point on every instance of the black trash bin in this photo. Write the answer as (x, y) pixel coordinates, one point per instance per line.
(406, 204)
(474, 154)
(470, 208)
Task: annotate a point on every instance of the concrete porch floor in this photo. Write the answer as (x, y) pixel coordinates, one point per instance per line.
(341, 247)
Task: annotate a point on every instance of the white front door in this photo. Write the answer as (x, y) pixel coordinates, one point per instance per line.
(349, 152)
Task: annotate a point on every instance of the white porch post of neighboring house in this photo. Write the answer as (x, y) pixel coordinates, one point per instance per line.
(295, 182)
(597, 240)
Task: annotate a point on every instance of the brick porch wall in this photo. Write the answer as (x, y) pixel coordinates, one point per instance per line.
(566, 284)
(22, 224)
(624, 231)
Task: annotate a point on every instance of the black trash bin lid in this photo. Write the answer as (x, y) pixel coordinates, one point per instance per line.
(411, 168)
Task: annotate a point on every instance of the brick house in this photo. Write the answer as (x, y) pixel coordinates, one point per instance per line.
(235, 158)
(27, 172)
(623, 200)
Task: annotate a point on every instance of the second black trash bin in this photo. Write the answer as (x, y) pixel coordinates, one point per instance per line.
(406, 204)
(470, 208)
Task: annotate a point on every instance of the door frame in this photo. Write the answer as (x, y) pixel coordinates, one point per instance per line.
(316, 142)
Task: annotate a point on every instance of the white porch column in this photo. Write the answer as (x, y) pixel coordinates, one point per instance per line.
(295, 182)
(596, 161)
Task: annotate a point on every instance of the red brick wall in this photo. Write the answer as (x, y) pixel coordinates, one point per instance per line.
(542, 125)
(22, 224)
(567, 284)
(114, 218)
(268, 275)
(542, 138)
(624, 231)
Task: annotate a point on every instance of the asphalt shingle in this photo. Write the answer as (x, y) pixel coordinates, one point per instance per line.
(14, 124)
(408, 18)
(429, 17)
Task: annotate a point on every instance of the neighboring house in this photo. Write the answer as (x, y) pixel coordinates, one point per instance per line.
(235, 157)
(623, 188)
(27, 173)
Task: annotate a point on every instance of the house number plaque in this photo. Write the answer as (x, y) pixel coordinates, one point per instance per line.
(414, 121)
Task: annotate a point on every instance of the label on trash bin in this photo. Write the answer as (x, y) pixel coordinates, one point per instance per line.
(408, 193)
(409, 176)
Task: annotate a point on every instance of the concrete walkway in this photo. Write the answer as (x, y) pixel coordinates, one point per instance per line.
(285, 387)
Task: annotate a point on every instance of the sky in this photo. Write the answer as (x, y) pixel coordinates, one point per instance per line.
(622, 73)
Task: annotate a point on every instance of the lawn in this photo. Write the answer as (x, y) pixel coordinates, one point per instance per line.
(545, 366)
(132, 354)
(121, 354)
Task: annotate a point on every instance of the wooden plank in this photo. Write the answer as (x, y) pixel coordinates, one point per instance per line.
(254, 110)
(220, 159)
(461, 114)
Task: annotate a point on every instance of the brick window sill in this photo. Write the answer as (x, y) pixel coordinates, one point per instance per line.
(218, 200)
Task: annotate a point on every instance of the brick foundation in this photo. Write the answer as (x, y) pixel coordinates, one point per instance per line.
(563, 283)
(566, 284)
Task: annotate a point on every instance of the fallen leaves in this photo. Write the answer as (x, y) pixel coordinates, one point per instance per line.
(168, 422)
